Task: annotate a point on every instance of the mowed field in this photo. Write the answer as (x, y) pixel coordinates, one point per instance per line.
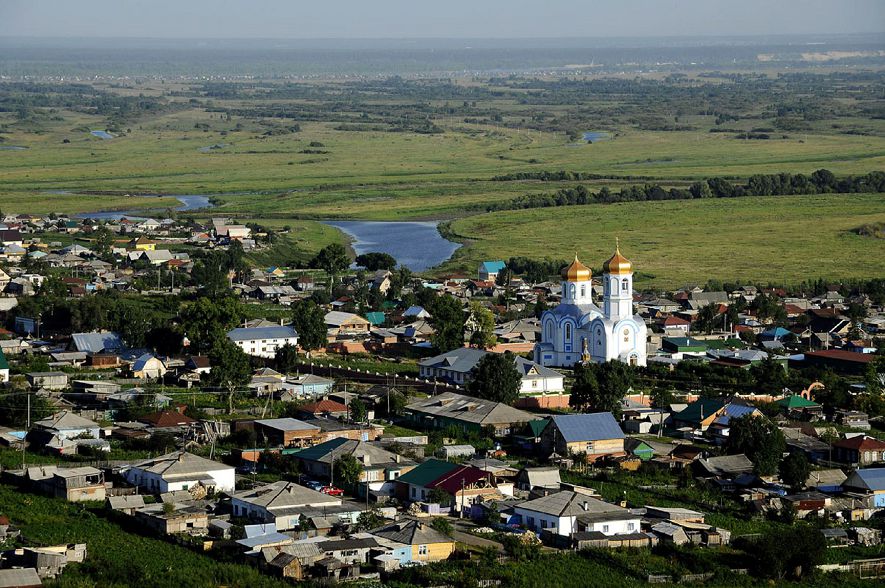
(370, 174)
(779, 239)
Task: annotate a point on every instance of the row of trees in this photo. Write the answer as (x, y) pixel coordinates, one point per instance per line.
(783, 184)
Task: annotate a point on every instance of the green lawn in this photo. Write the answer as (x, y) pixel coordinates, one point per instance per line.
(782, 239)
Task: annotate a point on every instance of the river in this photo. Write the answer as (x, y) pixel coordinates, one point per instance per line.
(188, 202)
(416, 245)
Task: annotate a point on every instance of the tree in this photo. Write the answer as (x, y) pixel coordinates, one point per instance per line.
(347, 470)
(495, 378)
(374, 261)
(769, 375)
(103, 242)
(230, 368)
(369, 519)
(481, 325)
(760, 440)
(358, 411)
(788, 552)
(601, 387)
(309, 322)
(332, 259)
(443, 526)
(447, 318)
(286, 358)
(207, 320)
(794, 470)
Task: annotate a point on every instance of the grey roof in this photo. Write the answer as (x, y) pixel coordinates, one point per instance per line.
(337, 318)
(833, 477)
(727, 465)
(464, 359)
(543, 476)
(287, 424)
(587, 427)
(411, 533)
(470, 409)
(129, 501)
(97, 342)
(15, 578)
(180, 463)
(253, 334)
(64, 420)
(258, 541)
(568, 503)
(280, 495)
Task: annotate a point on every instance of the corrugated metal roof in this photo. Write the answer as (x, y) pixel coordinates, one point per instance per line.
(588, 427)
(97, 342)
(254, 334)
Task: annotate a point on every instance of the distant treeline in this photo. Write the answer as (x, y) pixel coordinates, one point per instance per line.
(820, 182)
(560, 176)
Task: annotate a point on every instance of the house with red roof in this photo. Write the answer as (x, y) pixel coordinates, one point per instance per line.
(450, 484)
(323, 408)
(859, 450)
(167, 419)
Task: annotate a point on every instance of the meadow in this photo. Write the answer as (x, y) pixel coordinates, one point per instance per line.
(777, 239)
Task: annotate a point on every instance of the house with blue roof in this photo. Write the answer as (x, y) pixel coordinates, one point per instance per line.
(597, 435)
(263, 341)
(774, 334)
(871, 483)
(489, 270)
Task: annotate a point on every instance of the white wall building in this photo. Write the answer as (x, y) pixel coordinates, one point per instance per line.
(567, 512)
(577, 330)
(180, 470)
(263, 341)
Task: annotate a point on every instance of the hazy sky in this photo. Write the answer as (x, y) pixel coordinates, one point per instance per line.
(434, 18)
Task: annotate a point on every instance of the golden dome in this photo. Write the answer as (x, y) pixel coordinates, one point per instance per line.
(617, 264)
(576, 272)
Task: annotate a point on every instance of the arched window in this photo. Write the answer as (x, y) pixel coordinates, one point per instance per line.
(625, 284)
(583, 291)
(571, 291)
(550, 331)
(568, 332)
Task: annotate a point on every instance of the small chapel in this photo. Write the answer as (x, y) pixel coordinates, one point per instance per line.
(579, 330)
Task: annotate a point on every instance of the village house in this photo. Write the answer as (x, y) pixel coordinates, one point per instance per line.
(79, 484)
(47, 380)
(281, 503)
(869, 482)
(595, 435)
(488, 270)
(424, 543)
(346, 325)
(285, 432)
(180, 470)
(263, 341)
(174, 517)
(567, 512)
(456, 367)
(471, 414)
(462, 485)
(859, 450)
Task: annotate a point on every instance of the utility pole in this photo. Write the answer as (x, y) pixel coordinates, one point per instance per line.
(461, 514)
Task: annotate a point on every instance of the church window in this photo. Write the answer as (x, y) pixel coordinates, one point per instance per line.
(549, 331)
(625, 284)
(583, 291)
(571, 291)
(626, 335)
(568, 332)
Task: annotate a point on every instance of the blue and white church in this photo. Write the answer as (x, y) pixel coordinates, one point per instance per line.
(577, 330)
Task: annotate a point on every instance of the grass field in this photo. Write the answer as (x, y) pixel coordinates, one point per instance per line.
(370, 174)
(782, 239)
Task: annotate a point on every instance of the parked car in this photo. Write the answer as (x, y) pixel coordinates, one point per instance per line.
(314, 485)
(332, 491)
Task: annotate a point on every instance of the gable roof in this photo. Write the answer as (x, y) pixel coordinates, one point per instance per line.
(469, 409)
(493, 267)
(362, 451)
(567, 503)
(455, 479)
(861, 443)
(795, 401)
(323, 406)
(411, 532)
(872, 479)
(63, 420)
(167, 418)
(427, 472)
(178, 464)
(97, 342)
(587, 427)
(699, 410)
(282, 494)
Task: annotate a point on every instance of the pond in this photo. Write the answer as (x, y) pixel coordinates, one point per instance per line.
(416, 245)
(12, 148)
(188, 202)
(594, 136)
(101, 134)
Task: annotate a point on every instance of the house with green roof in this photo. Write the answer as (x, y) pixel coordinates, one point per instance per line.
(376, 318)
(681, 346)
(4, 368)
(639, 448)
(796, 404)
